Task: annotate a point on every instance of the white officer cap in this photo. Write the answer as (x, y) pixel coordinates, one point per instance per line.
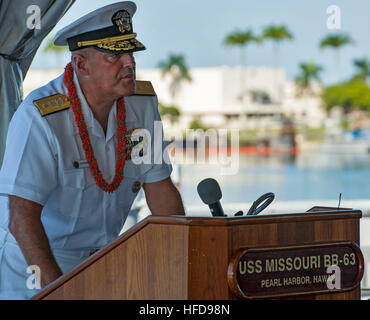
(108, 29)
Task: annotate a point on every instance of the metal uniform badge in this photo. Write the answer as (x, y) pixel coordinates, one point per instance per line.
(136, 186)
(137, 144)
(122, 20)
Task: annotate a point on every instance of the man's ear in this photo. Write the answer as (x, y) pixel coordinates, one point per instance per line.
(80, 61)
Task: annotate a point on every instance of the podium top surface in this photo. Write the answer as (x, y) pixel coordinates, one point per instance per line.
(315, 213)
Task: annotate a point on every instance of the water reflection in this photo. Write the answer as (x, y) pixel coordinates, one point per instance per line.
(331, 161)
(307, 176)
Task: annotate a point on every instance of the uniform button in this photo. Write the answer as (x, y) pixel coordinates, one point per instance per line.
(136, 186)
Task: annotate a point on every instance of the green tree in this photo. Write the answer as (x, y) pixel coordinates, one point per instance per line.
(277, 33)
(309, 72)
(175, 66)
(362, 69)
(349, 95)
(197, 124)
(336, 41)
(241, 39)
(170, 112)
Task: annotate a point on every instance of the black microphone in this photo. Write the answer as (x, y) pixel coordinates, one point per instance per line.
(210, 193)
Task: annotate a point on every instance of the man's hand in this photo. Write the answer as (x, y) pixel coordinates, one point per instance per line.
(26, 226)
(163, 198)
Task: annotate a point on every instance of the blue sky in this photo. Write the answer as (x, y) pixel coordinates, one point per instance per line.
(196, 28)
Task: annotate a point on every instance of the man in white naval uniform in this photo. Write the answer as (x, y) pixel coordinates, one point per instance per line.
(57, 201)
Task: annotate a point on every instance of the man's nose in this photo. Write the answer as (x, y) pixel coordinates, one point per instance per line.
(128, 60)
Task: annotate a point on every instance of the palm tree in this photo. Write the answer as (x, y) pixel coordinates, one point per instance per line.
(363, 69)
(308, 72)
(176, 67)
(277, 33)
(241, 39)
(336, 41)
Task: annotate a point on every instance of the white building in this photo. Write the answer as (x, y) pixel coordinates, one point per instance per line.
(239, 97)
(225, 96)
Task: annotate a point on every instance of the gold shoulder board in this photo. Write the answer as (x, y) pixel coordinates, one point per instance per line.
(144, 88)
(52, 104)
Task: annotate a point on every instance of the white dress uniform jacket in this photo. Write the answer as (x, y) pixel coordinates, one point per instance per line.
(39, 166)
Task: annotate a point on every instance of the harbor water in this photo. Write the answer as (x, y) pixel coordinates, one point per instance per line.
(305, 177)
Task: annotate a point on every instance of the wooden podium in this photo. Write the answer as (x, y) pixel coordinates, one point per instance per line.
(178, 257)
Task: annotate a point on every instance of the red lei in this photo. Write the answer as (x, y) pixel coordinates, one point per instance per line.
(85, 138)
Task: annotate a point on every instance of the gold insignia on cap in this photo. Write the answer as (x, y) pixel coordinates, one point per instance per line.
(122, 20)
(106, 41)
(121, 45)
(144, 88)
(51, 104)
